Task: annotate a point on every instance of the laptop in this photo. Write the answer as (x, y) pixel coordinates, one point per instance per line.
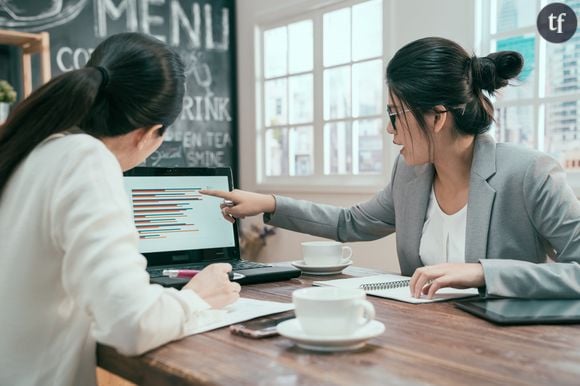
(179, 228)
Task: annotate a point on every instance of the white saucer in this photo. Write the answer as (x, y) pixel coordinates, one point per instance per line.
(321, 269)
(292, 330)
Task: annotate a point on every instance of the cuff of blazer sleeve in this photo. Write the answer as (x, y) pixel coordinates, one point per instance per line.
(483, 289)
(280, 212)
(494, 273)
(488, 278)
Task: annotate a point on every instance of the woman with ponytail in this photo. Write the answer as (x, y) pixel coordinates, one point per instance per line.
(70, 271)
(467, 212)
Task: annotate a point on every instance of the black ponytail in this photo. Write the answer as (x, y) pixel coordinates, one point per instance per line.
(131, 81)
(55, 107)
(435, 71)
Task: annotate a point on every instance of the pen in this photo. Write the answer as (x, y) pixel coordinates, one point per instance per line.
(189, 273)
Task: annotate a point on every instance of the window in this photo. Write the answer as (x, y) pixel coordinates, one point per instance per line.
(288, 93)
(543, 110)
(322, 97)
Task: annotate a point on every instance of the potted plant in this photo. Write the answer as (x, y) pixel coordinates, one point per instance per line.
(7, 96)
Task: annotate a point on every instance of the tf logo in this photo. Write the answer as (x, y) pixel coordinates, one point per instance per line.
(557, 22)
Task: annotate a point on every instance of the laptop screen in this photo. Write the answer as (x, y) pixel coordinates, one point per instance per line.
(174, 221)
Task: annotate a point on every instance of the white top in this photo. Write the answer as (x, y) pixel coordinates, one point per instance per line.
(70, 271)
(443, 237)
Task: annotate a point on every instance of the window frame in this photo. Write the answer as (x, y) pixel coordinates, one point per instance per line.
(485, 14)
(318, 182)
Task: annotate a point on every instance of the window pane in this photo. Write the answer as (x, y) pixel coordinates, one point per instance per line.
(562, 139)
(301, 105)
(300, 42)
(275, 52)
(367, 30)
(369, 133)
(337, 148)
(513, 14)
(337, 93)
(336, 37)
(367, 88)
(563, 61)
(523, 87)
(301, 151)
(277, 152)
(275, 98)
(515, 124)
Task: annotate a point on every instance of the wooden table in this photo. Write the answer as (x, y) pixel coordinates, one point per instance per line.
(434, 344)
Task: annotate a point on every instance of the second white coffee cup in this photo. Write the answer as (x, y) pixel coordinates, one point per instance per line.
(329, 311)
(324, 253)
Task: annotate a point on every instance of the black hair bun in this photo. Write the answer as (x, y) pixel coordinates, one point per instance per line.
(494, 71)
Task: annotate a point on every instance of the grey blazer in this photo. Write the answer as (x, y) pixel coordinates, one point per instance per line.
(520, 210)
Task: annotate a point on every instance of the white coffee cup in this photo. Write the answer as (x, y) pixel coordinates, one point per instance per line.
(324, 253)
(330, 311)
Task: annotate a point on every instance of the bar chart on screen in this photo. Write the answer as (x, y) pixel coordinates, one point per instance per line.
(171, 214)
(160, 212)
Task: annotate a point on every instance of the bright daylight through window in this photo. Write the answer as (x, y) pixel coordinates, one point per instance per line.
(336, 57)
(543, 111)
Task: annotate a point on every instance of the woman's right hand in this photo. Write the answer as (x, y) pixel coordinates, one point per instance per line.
(213, 285)
(244, 203)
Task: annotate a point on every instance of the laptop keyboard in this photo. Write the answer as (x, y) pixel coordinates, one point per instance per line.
(237, 265)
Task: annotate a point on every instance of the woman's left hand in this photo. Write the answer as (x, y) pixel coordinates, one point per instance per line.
(428, 280)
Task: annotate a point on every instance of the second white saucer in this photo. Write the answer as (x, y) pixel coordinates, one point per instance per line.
(292, 330)
(321, 269)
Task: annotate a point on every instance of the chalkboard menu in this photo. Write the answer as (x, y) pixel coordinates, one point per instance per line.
(201, 31)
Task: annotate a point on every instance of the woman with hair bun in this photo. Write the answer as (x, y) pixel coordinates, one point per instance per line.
(467, 211)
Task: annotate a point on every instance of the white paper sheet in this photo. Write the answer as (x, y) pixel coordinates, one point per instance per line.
(242, 310)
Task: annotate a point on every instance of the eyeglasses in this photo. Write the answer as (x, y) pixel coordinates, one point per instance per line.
(393, 116)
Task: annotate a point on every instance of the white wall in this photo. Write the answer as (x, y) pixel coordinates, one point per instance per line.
(405, 21)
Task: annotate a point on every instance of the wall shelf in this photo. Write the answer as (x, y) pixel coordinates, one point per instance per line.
(30, 43)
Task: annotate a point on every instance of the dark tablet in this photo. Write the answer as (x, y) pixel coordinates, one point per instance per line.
(523, 311)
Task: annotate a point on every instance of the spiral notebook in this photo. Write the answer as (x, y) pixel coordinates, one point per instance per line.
(395, 287)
